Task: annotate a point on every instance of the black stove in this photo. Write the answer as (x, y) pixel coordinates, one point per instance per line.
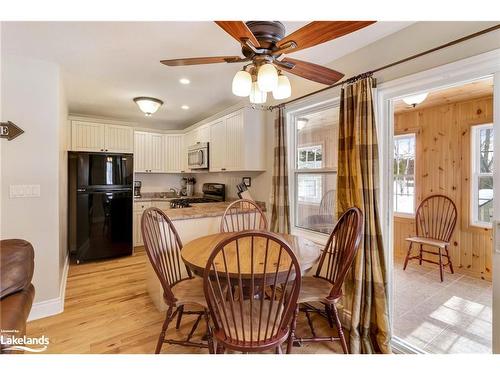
(179, 203)
(212, 192)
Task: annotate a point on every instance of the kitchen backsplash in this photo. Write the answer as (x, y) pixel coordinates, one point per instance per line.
(163, 182)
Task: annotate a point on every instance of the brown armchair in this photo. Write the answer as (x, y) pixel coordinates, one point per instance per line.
(16, 290)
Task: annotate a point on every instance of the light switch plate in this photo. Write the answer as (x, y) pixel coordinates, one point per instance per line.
(24, 191)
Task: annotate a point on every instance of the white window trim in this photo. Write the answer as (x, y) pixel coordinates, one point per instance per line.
(408, 215)
(475, 176)
(293, 112)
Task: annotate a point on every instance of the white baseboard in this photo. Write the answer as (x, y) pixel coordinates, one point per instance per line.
(52, 306)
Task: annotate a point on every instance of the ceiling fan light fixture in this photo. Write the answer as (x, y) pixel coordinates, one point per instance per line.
(267, 77)
(414, 100)
(148, 105)
(283, 90)
(257, 96)
(242, 83)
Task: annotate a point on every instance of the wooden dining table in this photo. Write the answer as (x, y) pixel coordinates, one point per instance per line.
(195, 253)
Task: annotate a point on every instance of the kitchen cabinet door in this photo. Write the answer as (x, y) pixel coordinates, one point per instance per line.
(119, 138)
(203, 134)
(217, 146)
(234, 142)
(156, 152)
(174, 153)
(141, 154)
(137, 235)
(87, 136)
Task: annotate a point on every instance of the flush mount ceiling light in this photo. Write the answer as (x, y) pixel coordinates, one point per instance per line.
(148, 105)
(185, 81)
(185, 107)
(414, 100)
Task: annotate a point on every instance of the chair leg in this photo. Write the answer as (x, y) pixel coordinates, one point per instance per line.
(161, 339)
(278, 350)
(420, 255)
(440, 265)
(407, 256)
(179, 317)
(210, 340)
(220, 349)
(291, 336)
(328, 312)
(449, 259)
(340, 329)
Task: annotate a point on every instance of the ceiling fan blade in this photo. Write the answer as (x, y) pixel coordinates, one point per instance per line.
(310, 71)
(318, 32)
(239, 31)
(202, 60)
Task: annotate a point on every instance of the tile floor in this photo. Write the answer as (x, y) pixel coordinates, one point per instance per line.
(449, 317)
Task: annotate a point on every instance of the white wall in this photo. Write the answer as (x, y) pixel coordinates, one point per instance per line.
(32, 99)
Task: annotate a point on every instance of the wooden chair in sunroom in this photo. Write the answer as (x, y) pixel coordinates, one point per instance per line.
(435, 222)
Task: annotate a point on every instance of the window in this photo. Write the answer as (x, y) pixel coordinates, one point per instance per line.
(313, 171)
(482, 174)
(404, 174)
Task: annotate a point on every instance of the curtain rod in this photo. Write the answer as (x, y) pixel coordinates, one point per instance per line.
(369, 73)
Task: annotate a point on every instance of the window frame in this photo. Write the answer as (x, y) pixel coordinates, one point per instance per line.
(406, 214)
(476, 173)
(292, 115)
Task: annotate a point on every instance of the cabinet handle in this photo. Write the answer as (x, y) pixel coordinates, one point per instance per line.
(106, 149)
(223, 169)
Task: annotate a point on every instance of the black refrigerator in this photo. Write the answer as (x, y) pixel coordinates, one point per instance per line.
(100, 205)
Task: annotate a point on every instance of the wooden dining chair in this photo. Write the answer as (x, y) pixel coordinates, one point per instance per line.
(325, 287)
(251, 284)
(435, 222)
(180, 288)
(241, 215)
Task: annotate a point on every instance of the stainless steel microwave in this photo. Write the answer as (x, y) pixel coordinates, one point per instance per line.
(198, 156)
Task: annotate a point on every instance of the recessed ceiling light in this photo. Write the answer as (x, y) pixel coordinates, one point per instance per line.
(185, 81)
(185, 107)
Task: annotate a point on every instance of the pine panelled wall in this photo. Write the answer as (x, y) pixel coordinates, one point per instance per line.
(443, 166)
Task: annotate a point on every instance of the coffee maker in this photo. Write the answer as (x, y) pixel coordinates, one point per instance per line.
(137, 189)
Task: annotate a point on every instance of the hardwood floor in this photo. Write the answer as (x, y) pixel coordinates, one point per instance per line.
(108, 310)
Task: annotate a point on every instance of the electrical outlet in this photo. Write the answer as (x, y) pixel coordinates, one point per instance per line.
(24, 191)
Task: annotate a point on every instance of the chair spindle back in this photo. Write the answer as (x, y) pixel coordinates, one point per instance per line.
(436, 218)
(251, 284)
(163, 247)
(340, 250)
(241, 215)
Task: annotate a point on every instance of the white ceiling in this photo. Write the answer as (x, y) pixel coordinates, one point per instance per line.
(106, 64)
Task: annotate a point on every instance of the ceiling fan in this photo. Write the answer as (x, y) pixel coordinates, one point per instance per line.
(264, 47)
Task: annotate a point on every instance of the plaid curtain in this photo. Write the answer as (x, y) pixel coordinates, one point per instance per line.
(358, 182)
(280, 203)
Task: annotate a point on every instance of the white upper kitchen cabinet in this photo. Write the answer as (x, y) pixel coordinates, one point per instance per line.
(217, 146)
(174, 153)
(119, 138)
(94, 136)
(237, 142)
(87, 136)
(149, 152)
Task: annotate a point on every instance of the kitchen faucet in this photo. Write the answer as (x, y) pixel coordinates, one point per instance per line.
(175, 191)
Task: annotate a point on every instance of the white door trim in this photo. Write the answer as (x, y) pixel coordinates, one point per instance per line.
(458, 72)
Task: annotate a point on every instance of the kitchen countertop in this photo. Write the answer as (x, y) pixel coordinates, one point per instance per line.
(196, 211)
